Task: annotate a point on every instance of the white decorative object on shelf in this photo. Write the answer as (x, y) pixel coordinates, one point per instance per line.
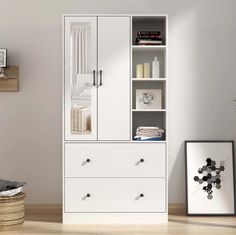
(155, 68)
(148, 99)
(146, 70)
(139, 70)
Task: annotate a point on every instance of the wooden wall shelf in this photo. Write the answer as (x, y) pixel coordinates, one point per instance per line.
(11, 82)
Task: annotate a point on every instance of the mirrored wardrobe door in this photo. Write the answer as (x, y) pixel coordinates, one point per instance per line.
(80, 61)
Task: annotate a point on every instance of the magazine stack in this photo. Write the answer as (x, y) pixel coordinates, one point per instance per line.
(149, 38)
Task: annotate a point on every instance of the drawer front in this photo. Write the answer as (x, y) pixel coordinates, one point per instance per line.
(114, 195)
(115, 160)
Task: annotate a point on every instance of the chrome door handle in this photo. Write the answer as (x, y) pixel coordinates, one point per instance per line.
(100, 72)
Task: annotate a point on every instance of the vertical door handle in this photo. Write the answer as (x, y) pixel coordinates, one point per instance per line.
(100, 77)
(94, 78)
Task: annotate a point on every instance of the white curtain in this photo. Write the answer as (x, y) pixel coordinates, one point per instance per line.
(81, 79)
(79, 52)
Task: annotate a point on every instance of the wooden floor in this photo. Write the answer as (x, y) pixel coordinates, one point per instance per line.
(38, 222)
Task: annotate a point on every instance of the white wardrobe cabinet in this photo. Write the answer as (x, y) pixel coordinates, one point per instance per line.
(110, 175)
(97, 71)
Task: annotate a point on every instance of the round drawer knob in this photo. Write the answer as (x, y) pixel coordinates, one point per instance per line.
(88, 160)
(141, 195)
(141, 160)
(88, 195)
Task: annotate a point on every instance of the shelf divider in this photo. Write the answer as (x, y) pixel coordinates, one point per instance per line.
(149, 79)
(149, 110)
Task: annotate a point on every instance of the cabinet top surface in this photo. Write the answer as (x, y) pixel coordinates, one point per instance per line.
(133, 15)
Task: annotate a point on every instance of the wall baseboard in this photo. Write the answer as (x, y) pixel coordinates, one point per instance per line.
(56, 209)
(177, 209)
(43, 209)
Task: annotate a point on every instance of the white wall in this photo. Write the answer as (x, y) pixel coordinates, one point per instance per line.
(202, 74)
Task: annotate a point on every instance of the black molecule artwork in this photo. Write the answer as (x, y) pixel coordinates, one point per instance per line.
(211, 177)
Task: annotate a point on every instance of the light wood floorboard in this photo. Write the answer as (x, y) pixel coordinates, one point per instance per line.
(47, 220)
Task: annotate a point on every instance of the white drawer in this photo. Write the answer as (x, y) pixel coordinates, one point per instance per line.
(115, 160)
(114, 195)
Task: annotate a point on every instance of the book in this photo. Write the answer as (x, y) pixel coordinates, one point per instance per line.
(72, 119)
(151, 37)
(80, 118)
(140, 138)
(84, 119)
(149, 32)
(149, 42)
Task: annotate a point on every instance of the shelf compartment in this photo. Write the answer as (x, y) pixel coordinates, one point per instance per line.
(148, 118)
(149, 85)
(147, 56)
(149, 23)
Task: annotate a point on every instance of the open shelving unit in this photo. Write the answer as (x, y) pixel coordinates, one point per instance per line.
(145, 54)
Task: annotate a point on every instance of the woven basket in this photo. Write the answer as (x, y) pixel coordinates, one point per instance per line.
(12, 210)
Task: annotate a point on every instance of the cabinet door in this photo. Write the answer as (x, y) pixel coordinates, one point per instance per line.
(114, 78)
(80, 66)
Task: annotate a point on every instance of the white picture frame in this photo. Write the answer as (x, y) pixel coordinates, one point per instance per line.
(210, 177)
(3, 58)
(148, 99)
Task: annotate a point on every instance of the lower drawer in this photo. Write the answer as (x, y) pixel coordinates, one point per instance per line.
(115, 195)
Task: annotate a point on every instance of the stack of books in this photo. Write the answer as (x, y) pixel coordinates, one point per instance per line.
(149, 38)
(80, 118)
(149, 133)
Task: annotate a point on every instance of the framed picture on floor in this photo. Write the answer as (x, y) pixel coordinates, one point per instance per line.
(210, 177)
